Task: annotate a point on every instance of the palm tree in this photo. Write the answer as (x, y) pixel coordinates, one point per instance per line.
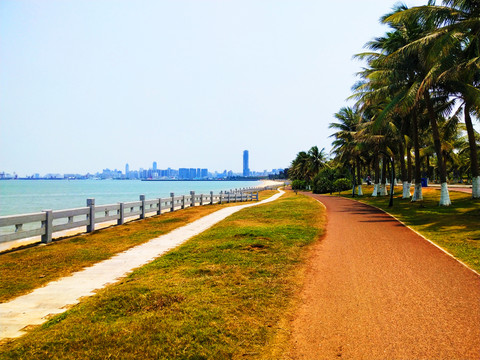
(393, 81)
(455, 46)
(307, 164)
(299, 169)
(345, 146)
(317, 159)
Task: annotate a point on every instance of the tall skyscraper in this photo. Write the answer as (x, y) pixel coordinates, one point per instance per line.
(246, 170)
(127, 171)
(155, 165)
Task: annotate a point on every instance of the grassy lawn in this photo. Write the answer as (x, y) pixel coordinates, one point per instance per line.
(221, 295)
(455, 228)
(23, 270)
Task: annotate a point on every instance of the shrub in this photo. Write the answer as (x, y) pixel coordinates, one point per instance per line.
(342, 184)
(299, 185)
(323, 181)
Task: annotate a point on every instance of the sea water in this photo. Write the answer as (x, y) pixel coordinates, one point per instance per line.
(27, 196)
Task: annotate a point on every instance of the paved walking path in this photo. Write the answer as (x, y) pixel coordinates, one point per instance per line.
(36, 307)
(377, 290)
(460, 188)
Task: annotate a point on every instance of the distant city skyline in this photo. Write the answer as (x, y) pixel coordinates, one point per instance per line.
(152, 172)
(141, 173)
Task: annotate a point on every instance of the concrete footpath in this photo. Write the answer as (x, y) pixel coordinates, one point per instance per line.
(54, 298)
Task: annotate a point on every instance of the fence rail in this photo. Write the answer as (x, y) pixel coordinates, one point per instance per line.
(47, 222)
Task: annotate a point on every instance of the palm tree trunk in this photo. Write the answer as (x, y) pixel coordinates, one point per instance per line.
(473, 153)
(403, 169)
(376, 179)
(383, 185)
(409, 169)
(427, 166)
(417, 194)
(444, 196)
(359, 177)
(353, 179)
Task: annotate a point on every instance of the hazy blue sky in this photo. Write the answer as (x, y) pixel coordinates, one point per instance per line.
(90, 84)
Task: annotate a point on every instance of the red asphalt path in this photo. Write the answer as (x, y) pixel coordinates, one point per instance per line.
(377, 290)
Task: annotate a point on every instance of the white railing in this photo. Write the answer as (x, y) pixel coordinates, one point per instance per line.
(47, 222)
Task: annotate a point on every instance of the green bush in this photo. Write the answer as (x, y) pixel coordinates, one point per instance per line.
(299, 185)
(323, 182)
(342, 184)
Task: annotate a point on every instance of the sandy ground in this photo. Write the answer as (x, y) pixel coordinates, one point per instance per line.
(377, 290)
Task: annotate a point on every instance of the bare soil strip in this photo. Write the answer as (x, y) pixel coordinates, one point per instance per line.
(377, 290)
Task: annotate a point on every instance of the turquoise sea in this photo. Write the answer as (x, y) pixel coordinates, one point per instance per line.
(27, 196)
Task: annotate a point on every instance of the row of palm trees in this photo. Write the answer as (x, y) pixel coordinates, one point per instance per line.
(416, 98)
(307, 164)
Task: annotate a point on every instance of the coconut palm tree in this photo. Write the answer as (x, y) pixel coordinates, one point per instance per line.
(455, 44)
(307, 164)
(300, 167)
(345, 146)
(394, 81)
(317, 159)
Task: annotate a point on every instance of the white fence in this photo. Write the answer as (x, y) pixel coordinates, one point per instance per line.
(47, 222)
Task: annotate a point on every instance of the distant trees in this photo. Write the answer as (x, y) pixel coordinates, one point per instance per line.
(312, 170)
(307, 164)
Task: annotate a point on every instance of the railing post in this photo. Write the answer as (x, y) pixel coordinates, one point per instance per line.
(142, 214)
(121, 213)
(183, 201)
(159, 212)
(172, 195)
(228, 197)
(257, 196)
(211, 197)
(91, 215)
(221, 197)
(201, 199)
(48, 224)
(192, 195)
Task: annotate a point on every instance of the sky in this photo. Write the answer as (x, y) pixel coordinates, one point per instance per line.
(92, 84)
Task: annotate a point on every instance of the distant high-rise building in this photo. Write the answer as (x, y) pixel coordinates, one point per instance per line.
(154, 165)
(183, 173)
(127, 170)
(246, 170)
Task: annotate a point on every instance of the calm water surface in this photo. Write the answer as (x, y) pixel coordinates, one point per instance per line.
(27, 196)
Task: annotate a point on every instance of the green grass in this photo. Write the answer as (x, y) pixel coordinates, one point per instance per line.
(23, 270)
(455, 228)
(221, 295)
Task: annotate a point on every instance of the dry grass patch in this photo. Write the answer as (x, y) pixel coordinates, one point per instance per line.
(221, 295)
(24, 270)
